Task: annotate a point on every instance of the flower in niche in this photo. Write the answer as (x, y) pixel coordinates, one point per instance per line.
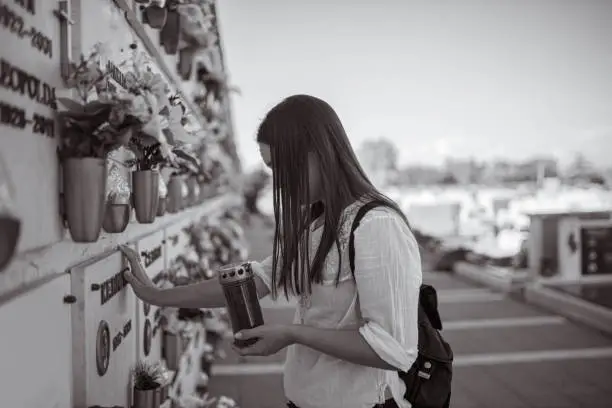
(131, 81)
(154, 83)
(141, 108)
(116, 116)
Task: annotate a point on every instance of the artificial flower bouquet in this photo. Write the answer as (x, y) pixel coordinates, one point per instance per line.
(96, 117)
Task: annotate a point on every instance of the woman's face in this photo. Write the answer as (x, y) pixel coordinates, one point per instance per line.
(314, 175)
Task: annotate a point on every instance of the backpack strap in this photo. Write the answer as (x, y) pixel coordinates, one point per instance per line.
(428, 299)
(358, 217)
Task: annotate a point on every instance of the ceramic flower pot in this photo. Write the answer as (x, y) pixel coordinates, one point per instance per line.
(170, 34)
(155, 16)
(193, 191)
(184, 65)
(161, 206)
(184, 194)
(204, 192)
(84, 182)
(145, 187)
(164, 392)
(175, 195)
(116, 216)
(147, 398)
(172, 349)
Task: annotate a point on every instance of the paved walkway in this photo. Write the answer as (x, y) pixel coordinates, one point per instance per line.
(508, 354)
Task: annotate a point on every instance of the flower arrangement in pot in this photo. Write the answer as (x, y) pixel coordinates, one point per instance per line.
(170, 34)
(94, 119)
(147, 379)
(118, 205)
(145, 177)
(215, 81)
(174, 341)
(198, 36)
(204, 176)
(152, 143)
(183, 163)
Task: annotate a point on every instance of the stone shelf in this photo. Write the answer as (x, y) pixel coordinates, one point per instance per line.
(35, 267)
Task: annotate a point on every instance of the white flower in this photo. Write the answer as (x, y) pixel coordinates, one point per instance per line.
(124, 96)
(152, 127)
(139, 108)
(155, 84)
(176, 127)
(166, 149)
(131, 80)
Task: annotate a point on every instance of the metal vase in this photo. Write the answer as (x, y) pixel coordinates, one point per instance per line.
(164, 392)
(145, 187)
(172, 350)
(175, 197)
(84, 182)
(156, 16)
(193, 191)
(147, 398)
(204, 192)
(116, 217)
(184, 194)
(161, 206)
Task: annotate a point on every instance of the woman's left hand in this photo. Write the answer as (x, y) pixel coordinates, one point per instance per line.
(270, 340)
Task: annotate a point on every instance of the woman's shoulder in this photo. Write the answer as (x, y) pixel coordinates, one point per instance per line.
(384, 227)
(385, 219)
(383, 213)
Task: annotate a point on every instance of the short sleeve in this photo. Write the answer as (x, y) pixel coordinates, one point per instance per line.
(388, 277)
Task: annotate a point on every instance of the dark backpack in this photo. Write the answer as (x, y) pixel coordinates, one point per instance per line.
(428, 381)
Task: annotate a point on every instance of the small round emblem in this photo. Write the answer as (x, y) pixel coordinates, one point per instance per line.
(146, 338)
(102, 348)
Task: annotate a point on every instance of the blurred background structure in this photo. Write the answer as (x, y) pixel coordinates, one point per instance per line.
(490, 123)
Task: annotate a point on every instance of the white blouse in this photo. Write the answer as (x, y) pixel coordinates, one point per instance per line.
(381, 302)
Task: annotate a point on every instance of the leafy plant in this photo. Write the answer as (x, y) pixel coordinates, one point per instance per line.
(148, 154)
(147, 376)
(183, 161)
(92, 130)
(97, 117)
(151, 155)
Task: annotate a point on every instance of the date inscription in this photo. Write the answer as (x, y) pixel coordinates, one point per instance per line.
(119, 337)
(17, 118)
(14, 23)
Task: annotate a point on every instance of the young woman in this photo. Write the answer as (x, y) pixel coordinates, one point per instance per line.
(350, 333)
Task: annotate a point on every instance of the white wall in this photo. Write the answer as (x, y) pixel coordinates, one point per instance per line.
(48, 346)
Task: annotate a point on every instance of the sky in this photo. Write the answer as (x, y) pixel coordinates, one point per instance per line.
(440, 78)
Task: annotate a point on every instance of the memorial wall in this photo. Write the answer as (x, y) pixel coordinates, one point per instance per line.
(115, 129)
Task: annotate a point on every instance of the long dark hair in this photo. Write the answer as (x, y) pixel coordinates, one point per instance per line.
(298, 126)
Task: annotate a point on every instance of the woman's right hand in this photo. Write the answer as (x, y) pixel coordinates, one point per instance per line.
(145, 293)
(137, 271)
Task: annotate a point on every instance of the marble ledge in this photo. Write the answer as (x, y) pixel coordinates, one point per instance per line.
(37, 266)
